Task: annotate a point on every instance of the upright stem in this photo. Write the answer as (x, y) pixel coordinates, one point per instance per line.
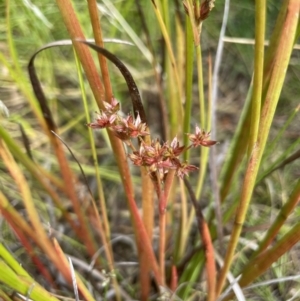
(260, 17)
(162, 224)
(281, 60)
(75, 31)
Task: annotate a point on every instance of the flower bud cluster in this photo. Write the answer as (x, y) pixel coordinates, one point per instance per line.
(158, 157)
(124, 128)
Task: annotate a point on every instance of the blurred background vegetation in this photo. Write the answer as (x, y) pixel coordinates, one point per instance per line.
(35, 23)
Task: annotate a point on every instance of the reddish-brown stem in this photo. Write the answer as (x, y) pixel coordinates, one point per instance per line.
(89, 67)
(162, 203)
(93, 11)
(207, 244)
(174, 279)
(27, 244)
(162, 235)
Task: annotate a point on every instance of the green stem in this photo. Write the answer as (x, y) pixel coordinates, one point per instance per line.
(281, 60)
(188, 85)
(260, 17)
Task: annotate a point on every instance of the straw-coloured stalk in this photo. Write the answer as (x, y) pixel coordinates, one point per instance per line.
(43, 240)
(176, 106)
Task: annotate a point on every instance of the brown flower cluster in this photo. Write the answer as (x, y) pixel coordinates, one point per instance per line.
(202, 13)
(124, 128)
(158, 157)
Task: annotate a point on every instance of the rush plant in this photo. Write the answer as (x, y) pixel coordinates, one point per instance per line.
(70, 183)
